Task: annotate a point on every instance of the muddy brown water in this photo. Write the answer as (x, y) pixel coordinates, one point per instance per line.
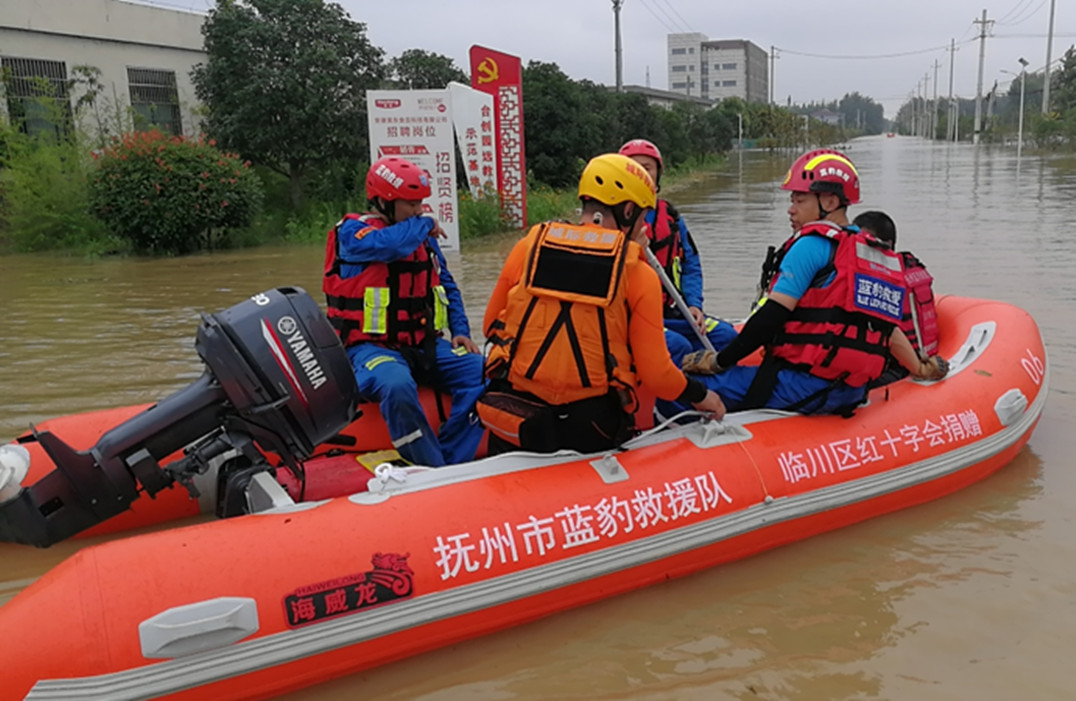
(969, 597)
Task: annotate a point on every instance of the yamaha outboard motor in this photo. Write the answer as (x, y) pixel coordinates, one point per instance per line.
(277, 380)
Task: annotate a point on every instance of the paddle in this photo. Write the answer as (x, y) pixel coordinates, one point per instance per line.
(675, 294)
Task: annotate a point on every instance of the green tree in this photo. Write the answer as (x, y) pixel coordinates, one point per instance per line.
(553, 109)
(862, 112)
(417, 69)
(1063, 84)
(285, 84)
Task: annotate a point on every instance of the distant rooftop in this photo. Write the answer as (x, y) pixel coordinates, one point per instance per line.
(666, 95)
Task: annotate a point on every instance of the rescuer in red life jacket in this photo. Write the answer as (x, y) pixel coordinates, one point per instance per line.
(672, 246)
(831, 312)
(920, 318)
(390, 297)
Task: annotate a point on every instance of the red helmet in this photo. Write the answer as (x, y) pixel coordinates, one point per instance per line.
(642, 147)
(824, 170)
(394, 178)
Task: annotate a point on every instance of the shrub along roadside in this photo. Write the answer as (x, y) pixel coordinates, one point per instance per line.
(44, 197)
(168, 194)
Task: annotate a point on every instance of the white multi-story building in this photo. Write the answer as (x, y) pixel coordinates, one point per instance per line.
(145, 55)
(716, 69)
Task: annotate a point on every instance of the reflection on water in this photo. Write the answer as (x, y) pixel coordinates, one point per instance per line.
(968, 597)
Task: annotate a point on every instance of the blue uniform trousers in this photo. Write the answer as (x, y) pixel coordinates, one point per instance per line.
(793, 387)
(385, 377)
(681, 339)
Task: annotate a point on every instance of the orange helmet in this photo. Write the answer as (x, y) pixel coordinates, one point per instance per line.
(824, 170)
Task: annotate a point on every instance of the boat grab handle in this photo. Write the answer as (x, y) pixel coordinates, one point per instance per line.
(198, 627)
(979, 337)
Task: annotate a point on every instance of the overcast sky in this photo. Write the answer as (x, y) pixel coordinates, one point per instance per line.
(578, 36)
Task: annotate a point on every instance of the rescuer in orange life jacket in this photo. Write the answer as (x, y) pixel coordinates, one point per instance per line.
(919, 321)
(575, 325)
(390, 297)
(831, 312)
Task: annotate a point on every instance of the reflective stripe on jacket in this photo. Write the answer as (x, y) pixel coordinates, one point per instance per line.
(397, 303)
(667, 247)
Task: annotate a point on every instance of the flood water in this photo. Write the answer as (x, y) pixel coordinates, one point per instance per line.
(969, 597)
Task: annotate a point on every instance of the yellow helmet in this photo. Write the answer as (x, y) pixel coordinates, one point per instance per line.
(612, 179)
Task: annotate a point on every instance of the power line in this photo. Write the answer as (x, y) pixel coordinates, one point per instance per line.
(871, 56)
(1016, 9)
(669, 29)
(1030, 36)
(1013, 22)
(667, 16)
(969, 28)
(683, 22)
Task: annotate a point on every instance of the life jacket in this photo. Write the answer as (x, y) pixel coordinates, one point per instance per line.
(841, 331)
(920, 318)
(400, 303)
(668, 249)
(563, 335)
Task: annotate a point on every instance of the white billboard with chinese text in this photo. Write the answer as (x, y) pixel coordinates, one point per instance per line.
(417, 125)
(472, 113)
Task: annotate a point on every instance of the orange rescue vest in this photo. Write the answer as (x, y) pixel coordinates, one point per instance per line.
(563, 335)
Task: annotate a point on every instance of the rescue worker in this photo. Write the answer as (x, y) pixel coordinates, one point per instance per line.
(832, 309)
(919, 320)
(390, 296)
(574, 324)
(671, 243)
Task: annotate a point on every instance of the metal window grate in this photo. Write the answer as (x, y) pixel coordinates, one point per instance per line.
(31, 85)
(155, 99)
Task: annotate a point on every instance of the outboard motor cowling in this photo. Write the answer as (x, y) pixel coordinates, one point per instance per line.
(277, 380)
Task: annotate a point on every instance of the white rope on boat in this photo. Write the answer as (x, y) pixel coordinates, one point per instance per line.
(690, 413)
(385, 472)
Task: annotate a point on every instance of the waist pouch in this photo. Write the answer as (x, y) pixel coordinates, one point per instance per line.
(518, 421)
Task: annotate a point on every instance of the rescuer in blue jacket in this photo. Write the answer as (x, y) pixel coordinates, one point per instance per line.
(391, 298)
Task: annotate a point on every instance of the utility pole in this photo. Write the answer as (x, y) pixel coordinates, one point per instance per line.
(619, 54)
(984, 25)
(773, 67)
(648, 76)
(949, 122)
(916, 119)
(926, 101)
(1049, 47)
(934, 105)
(1020, 129)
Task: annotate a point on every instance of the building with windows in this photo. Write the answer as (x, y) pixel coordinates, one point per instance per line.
(664, 98)
(719, 68)
(144, 54)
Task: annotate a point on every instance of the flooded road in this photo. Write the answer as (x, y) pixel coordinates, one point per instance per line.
(972, 596)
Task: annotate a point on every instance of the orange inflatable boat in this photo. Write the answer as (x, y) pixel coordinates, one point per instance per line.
(301, 592)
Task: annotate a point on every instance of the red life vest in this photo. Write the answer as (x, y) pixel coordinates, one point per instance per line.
(841, 331)
(919, 307)
(398, 303)
(667, 247)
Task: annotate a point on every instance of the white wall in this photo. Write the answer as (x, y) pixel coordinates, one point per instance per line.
(718, 75)
(685, 67)
(111, 35)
